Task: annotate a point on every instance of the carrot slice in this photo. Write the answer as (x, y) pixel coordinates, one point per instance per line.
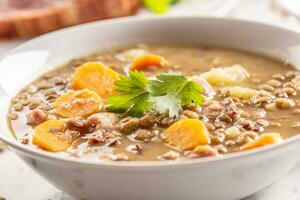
(50, 136)
(95, 76)
(263, 140)
(77, 103)
(148, 60)
(186, 134)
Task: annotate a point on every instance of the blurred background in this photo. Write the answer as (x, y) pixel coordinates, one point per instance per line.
(21, 20)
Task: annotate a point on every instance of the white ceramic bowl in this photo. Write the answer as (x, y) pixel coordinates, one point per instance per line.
(232, 177)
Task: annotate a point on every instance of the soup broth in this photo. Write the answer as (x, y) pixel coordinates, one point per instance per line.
(249, 101)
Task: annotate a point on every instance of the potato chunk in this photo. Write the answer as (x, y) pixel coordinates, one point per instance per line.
(263, 140)
(148, 60)
(226, 76)
(240, 92)
(78, 103)
(51, 137)
(186, 134)
(95, 76)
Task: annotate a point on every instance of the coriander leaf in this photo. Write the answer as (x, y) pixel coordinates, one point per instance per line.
(167, 94)
(134, 95)
(136, 81)
(166, 82)
(187, 91)
(134, 104)
(140, 105)
(192, 93)
(166, 104)
(170, 86)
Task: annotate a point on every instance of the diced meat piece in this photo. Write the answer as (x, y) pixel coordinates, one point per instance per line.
(97, 138)
(170, 155)
(72, 133)
(135, 148)
(203, 151)
(102, 137)
(113, 141)
(76, 122)
(104, 120)
(36, 117)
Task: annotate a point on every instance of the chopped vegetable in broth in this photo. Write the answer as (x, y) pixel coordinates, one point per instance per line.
(159, 102)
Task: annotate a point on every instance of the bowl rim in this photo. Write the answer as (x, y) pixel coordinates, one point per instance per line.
(39, 154)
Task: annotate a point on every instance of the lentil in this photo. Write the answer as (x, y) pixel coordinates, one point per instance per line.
(266, 87)
(278, 77)
(12, 116)
(190, 114)
(290, 74)
(274, 83)
(167, 121)
(128, 125)
(18, 107)
(144, 134)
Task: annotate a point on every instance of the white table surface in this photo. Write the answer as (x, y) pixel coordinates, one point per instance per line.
(19, 182)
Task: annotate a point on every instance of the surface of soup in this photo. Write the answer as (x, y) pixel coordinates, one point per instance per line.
(245, 101)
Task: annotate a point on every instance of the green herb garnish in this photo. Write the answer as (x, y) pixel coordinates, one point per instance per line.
(134, 97)
(168, 93)
(159, 6)
(172, 91)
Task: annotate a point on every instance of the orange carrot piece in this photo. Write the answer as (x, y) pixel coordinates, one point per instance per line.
(148, 60)
(77, 103)
(95, 76)
(186, 134)
(50, 136)
(263, 140)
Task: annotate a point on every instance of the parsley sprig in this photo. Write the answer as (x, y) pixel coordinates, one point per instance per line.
(167, 94)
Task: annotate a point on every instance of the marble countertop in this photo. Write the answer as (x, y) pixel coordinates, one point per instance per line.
(19, 182)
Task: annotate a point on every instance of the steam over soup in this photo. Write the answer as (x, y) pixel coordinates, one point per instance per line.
(156, 102)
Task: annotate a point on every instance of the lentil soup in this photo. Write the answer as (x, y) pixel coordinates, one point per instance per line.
(170, 103)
